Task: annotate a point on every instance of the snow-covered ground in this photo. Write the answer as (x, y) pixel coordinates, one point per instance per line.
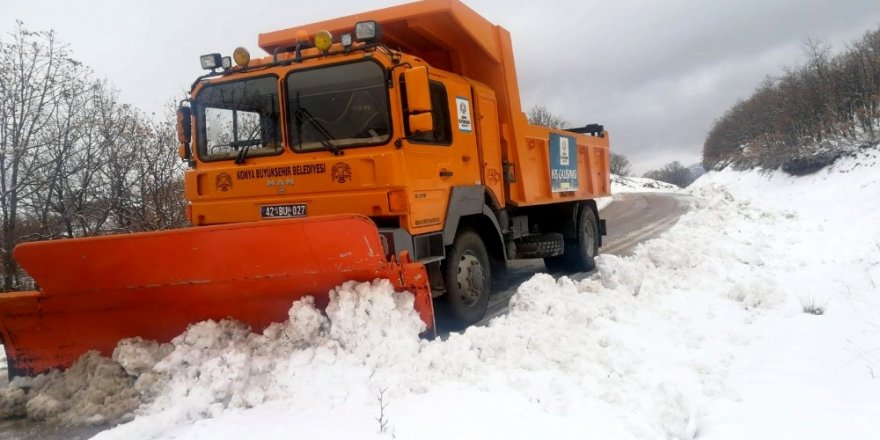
(703, 332)
(640, 184)
(625, 184)
(2, 366)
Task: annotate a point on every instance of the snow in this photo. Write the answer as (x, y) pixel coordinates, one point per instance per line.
(2, 365)
(626, 184)
(622, 184)
(93, 391)
(701, 333)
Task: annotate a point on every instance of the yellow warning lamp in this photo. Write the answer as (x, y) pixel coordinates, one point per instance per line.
(241, 56)
(323, 40)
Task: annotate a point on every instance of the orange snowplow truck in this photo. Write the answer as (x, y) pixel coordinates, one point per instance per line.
(388, 144)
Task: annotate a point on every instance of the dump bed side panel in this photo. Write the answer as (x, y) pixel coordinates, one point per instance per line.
(555, 166)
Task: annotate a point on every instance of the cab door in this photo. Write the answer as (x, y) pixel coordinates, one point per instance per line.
(443, 158)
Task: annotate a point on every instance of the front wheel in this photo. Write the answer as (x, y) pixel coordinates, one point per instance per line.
(468, 279)
(580, 253)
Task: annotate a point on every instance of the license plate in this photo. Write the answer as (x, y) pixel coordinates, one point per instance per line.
(283, 211)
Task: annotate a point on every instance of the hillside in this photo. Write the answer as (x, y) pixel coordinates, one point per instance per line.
(807, 117)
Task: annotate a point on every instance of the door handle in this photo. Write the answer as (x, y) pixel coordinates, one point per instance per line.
(445, 173)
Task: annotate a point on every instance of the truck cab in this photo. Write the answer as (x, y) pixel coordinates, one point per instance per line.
(333, 132)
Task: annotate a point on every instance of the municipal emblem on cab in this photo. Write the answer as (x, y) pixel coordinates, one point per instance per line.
(341, 172)
(223, 182)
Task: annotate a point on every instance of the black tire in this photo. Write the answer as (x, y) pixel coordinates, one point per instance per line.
(467, 274)
(580, 253)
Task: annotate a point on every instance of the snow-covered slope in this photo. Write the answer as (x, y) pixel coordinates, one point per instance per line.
(700, 333)
(623, 184)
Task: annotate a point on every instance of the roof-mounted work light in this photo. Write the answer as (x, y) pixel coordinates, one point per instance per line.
(211, 61)
(226, 62)
(367, 31)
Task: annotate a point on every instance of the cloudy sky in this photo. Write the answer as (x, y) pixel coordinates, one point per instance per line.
(656, 73)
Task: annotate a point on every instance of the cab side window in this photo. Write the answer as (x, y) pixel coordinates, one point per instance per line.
(442, 133)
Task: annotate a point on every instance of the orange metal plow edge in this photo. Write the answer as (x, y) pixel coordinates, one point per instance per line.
(96, 291)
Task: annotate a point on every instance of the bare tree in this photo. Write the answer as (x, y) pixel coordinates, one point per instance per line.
(70, 162)
(674, 173)
(74, 161)
(539, 115)
(33, 72)
(808, 116)
(620, 165)
(158, 186)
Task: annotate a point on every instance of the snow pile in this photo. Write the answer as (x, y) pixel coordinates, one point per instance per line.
(622, 184)
(93, 391)
(3, 366)
(837, 213)
(627, 184)
(216, 366)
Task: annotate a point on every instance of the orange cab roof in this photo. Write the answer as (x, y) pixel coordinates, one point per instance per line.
(445, 33)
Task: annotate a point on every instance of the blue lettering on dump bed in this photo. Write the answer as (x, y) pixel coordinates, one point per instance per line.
(563, 163)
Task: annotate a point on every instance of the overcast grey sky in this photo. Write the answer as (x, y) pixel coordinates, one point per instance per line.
(656, 73)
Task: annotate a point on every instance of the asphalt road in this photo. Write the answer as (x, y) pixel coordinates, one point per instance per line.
(631, 219)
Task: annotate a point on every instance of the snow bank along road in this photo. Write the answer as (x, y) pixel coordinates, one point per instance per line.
(757, 315)
(632, 217)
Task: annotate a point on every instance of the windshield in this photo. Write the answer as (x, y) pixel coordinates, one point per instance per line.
(338, 106)
(239, 119)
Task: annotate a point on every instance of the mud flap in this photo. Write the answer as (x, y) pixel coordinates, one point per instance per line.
(96, 291)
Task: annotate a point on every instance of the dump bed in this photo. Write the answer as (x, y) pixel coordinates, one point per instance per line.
(450, 36)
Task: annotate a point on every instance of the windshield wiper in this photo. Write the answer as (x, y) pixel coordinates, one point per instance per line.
(326, 136)
(245, 147)
(239, 160)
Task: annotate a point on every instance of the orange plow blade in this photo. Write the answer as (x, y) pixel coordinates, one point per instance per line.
(96, 291)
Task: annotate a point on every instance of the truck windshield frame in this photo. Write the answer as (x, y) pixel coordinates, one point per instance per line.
(338, 106)
(239, 119)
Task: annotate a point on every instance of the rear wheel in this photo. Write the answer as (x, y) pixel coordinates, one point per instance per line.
(580, 253)
(467, 275)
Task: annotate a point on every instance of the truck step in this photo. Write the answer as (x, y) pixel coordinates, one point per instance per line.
(540, 245)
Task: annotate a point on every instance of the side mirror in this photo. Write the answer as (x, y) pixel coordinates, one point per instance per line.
(184, 131)
(418, 100)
